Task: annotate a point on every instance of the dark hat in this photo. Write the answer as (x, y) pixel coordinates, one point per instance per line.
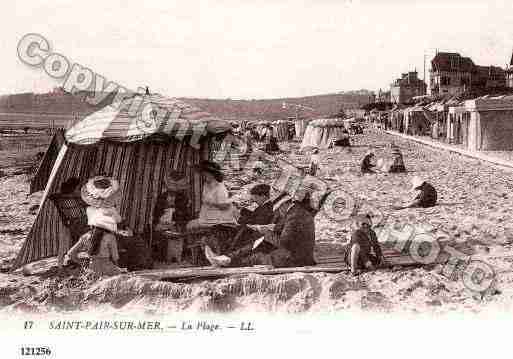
(70, 185)
(176, 182)
(210, 167)
(261, 190)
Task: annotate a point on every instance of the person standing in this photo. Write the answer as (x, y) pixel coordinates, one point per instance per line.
(314, 162)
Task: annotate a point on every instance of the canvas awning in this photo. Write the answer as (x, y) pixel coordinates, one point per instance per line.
(143, 116)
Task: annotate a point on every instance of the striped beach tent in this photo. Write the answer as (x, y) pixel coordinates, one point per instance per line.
(282, 130)
(321, 132)
(38, 182)
(137, 141)
(300, 126)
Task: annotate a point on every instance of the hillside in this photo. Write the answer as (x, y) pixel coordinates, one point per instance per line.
(272, 109)
(57, 107)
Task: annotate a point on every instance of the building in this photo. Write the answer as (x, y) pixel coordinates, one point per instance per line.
(452, 74)
(488, 77)
(403, 90)
(482, 124)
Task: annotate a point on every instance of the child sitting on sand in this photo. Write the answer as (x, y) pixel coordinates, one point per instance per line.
(363, 250)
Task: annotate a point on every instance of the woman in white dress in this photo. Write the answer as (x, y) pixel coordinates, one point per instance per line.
(216, 205)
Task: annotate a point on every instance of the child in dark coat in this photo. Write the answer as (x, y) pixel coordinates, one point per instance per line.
(363, 250)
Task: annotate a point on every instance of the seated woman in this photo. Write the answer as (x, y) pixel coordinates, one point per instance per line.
(216, 206)
(172, 208)
(367, 165)
(397, 165)
(292, 239)
(343, 140)
(100, 243)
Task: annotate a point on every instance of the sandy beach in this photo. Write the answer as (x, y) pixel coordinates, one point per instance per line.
(474, 212)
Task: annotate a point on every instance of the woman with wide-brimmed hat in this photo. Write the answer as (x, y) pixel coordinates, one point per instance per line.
(216, 205)
(101, 194)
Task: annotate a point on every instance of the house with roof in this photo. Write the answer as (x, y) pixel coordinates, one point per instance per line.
(452, 74)
(482, 124)
(405, 88)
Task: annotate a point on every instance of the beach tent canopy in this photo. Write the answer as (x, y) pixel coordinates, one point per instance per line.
(282, 130)
(300, 125)
(144, 116)
(321, 132)
(137, 147)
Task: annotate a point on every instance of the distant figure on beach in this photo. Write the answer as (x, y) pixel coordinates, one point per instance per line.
(343, 140)
(363, 250)
(271, 142)
(314, 162)
(367, 165)
(397, 165)
(424, 194)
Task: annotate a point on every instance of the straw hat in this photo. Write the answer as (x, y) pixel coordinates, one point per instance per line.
(100, 191)
(176, 182)
(416, 182)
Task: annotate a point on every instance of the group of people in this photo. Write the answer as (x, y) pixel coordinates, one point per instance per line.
(396, 165)
(279, 232)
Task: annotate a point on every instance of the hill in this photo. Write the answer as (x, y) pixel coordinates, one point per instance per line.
(39, 110)
(272, 109)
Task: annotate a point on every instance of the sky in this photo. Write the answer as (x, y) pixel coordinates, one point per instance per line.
(252, 49)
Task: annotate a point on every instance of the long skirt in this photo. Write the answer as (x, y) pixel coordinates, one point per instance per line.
(104, 267)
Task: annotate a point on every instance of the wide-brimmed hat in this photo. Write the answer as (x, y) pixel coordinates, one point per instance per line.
(176, 182)
(416, 182)
(100, 191)
(313, 190)
(210, 167)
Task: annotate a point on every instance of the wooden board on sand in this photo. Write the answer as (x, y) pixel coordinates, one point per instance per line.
(334, 264)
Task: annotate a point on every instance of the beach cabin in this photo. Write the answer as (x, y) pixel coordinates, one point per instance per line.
(486, 123)
(139, 149)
